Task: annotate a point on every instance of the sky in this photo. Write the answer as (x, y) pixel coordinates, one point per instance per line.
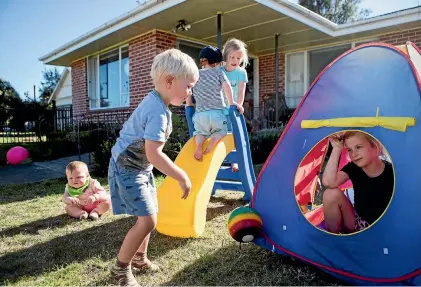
(30, 29)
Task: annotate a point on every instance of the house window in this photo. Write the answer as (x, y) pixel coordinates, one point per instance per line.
(319, 59)
(295, 79)
(303, 68)
(191, 49)
(108, 78)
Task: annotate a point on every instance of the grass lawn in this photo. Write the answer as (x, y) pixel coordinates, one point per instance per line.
(39, 245)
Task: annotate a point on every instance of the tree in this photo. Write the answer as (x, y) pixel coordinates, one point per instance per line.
(9, 97)
(337, 11)
(51, 78)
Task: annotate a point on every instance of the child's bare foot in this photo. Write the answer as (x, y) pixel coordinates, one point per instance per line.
(234, 167)
(94, 215)
(207, 150)
(84, 215)
(198, 154)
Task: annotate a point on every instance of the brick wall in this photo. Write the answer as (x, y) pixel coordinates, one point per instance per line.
(142, 51)
(79, 87)
(267, 74)
(400, 38)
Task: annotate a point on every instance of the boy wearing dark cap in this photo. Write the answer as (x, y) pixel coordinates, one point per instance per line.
(209, 119)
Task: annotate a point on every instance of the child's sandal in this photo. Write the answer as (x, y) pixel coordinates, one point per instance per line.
(146, 266)
(84, 215)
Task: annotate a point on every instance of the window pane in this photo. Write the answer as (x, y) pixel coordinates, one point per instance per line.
(125, 80)
(319, 59)
(294, 79)
(109, 79)
(192, 51)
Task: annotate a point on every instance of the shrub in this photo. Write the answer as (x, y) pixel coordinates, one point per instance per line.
(102, 155)
(262, 143)
(104, 139)
(178, 137)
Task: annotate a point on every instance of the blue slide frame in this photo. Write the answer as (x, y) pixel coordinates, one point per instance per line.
(245, 179)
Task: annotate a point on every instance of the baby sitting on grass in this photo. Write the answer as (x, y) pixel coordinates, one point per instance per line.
(84, 197)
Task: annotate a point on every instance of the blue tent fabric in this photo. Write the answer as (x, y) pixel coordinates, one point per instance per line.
(355, 85)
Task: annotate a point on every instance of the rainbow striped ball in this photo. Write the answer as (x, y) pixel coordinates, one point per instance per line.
(244, 224)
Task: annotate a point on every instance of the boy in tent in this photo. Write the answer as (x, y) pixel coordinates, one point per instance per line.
(372, 179)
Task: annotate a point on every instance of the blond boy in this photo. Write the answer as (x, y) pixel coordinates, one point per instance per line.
(137, 150)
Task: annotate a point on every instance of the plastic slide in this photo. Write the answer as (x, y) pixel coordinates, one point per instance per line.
(187, 217)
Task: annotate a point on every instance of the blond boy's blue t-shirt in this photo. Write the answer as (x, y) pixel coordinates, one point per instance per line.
(235, 77)
(151, 120)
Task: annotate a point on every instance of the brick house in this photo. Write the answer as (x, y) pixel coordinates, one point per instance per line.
(110, 65)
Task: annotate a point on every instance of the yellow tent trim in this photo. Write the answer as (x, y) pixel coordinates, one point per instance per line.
(392, 123)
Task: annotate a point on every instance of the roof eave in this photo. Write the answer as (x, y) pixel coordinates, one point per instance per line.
(388, 20)
(151, 7)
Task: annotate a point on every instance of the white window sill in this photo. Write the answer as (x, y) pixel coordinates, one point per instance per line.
(109, 108)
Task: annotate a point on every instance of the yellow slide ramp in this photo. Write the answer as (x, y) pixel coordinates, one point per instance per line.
(187, 217)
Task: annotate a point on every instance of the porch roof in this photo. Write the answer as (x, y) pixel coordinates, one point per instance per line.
(254, 21)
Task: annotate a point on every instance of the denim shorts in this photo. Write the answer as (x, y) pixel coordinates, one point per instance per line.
(132, 192)
(211, 122)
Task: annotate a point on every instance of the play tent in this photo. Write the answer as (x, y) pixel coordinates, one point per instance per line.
(361, 90)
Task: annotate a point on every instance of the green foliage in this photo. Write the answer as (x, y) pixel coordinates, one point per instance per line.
(337, 11)
(178, 137)
(262, 144)
(102, 155)
(50, 79)
(104, 139)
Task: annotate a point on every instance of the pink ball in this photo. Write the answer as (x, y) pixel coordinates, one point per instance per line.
(16, 155)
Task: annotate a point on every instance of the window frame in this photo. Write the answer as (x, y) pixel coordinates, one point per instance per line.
(95, 58)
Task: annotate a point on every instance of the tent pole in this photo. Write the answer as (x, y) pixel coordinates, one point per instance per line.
(219, 28)
(276, 80)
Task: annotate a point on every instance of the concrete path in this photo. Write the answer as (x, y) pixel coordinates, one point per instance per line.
(38, 171)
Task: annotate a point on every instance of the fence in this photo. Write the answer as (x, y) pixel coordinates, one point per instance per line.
(25, 125)
(55, 133)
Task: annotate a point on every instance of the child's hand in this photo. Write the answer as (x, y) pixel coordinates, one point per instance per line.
(91, 199)
(185, 185)
(240, 109)
(336, 142)
(73, 201)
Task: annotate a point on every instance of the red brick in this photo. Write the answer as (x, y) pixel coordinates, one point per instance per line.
(267, 74)
(79, 87)
(400, 38)
(142, 51)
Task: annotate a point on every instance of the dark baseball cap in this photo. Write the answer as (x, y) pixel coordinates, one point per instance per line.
(212, 54)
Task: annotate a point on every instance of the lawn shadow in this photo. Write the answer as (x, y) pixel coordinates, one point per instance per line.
(35, 226)
(103, 241)
(250, 265)
(220, 206)
(19, 192)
